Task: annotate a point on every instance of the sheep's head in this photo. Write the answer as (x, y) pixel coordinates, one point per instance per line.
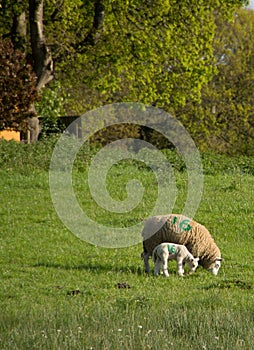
(215, 266)
(193, 264)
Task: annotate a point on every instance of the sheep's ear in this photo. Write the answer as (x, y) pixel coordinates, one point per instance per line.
(219, 259)
(197, 259)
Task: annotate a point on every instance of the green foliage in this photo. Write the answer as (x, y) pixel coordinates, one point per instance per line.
(66, 24)
(234, 84)
(154, 52)
(17, 88)
(27, 158)
(50, 106)
(115, 132)
(144, 54)
(224, 119)
(8, 11)
(193, 59)
(218, 163)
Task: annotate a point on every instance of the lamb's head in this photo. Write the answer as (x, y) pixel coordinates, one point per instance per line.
(193, 264)
(215, 266)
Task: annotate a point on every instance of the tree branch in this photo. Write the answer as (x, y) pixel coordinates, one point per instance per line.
(18, 31)
(94, 33)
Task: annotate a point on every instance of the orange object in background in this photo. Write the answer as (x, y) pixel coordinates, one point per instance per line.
(10, 135)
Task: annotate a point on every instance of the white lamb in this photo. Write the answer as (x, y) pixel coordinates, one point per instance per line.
(170, 251)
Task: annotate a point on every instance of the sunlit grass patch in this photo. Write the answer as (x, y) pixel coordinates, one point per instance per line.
(58, 292)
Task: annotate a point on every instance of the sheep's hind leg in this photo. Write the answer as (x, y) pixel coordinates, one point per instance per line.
(146, 262)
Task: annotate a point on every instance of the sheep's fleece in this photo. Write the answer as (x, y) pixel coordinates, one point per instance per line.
(180, 229)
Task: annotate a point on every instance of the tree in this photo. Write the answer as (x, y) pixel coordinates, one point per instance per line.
(39, 54)
(18, 88)
(23, 24)
(157, 52)
(224, 119)
(234, 109)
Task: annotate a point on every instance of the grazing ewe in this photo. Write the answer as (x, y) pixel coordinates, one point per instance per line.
(179, 229)
(169, 251)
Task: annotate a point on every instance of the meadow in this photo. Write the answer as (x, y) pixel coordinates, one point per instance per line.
(59, 292)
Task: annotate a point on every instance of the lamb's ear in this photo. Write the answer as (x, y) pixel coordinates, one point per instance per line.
(219, 259)
(195, 259)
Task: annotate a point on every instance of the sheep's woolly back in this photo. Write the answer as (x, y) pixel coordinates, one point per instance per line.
(179, 229)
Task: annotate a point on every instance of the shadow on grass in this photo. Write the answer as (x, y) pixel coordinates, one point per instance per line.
(230, 284)
(98, 268)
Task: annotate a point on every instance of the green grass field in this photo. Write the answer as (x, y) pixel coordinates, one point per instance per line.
(58, 292)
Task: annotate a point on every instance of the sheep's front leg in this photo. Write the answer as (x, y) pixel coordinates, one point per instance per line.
(180, 267)
(165, 264)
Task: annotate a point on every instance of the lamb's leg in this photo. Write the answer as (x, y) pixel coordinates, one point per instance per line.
(165, 265)
(180, 267)
(157, 267)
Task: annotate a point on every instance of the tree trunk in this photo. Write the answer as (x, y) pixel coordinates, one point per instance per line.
(33, 130)
(42, 59)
